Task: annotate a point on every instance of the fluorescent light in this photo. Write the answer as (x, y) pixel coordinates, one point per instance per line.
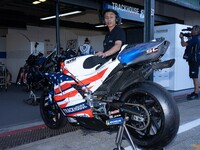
(61, 15)
(100, 26)
(36, 2)
(70, 13)
(46, 18)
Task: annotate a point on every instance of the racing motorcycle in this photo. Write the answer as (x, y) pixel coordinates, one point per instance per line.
(98, 94)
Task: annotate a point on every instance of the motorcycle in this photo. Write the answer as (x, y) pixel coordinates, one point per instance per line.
(98, 94)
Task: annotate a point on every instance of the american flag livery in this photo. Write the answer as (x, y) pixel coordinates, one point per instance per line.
(67, 97)
(72, 83)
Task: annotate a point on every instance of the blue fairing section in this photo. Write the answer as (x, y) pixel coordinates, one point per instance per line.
(130, 53)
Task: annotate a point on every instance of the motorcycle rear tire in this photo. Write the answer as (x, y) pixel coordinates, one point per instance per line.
(55, 120)
(168, 113)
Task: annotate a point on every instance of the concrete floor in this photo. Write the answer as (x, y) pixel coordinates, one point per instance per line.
(16, 114)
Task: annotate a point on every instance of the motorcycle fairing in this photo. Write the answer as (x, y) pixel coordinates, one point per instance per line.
(75, 66)
(133, 54)
(81, 109)
(66, 95)
(90, 75)
(75, 108)
(79, 76)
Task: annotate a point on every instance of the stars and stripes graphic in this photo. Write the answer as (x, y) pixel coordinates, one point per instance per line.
(57, 78)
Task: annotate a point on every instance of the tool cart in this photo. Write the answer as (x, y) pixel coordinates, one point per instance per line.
(3, 76)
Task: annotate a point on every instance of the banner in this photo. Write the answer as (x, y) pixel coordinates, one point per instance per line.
(134, 13)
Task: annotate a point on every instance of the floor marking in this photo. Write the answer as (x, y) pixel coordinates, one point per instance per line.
(188, 126)
(183, 128)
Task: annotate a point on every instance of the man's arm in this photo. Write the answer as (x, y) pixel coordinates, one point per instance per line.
(114, 49)
(111, 51)
(183, 43)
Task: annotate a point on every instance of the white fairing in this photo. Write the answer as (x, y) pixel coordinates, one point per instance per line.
(75, 65)
(89, 78)
(75, 68)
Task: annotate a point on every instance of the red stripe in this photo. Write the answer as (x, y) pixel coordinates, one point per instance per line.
(64, 105)
(63, 87)
(73, 93)
(88, 112)
(22, 130)
(93, 78)
(66, 95)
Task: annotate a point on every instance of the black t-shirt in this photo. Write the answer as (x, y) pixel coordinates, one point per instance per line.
(195, 43)
(117, 33)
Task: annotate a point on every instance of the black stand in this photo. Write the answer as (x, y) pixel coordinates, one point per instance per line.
(120, 133)
(33, 99)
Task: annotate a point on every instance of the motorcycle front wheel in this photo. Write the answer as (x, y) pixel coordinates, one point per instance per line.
(159, 116)
(51, 114)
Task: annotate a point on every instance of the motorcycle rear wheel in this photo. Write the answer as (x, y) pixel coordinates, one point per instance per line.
(51, 114)
(163, 112)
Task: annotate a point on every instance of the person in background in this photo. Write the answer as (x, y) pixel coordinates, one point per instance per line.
(115, 38)
(6, 74)
(194, 61)
(8, 77)
(86, 48)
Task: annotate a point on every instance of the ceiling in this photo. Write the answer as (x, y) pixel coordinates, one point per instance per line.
(19, 13)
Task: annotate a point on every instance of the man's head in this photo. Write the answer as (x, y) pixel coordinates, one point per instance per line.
(87, 41)
(195, 30)
(111, 17)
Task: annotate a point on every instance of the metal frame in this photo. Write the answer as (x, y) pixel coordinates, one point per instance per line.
(3, 76)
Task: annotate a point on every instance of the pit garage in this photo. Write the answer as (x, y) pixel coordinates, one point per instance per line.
(25, 30)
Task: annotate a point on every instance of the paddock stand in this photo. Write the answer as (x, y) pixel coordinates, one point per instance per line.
(33, 99)
(119, 137)
(120, 133)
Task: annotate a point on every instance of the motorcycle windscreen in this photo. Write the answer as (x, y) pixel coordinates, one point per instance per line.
(133, 54)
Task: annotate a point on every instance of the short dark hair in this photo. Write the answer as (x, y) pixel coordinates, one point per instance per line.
(196, 28)
(118, 18)
(87, 40)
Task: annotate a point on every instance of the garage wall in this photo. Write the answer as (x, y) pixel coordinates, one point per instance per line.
(2, 50)
(190, 17)
(3, 33)
(18, 46)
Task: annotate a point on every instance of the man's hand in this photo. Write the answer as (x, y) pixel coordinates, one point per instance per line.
(181, 35)
(183, 43)
(100, 54)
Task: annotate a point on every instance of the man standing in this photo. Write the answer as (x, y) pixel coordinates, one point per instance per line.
(115, 38)
(194, 61)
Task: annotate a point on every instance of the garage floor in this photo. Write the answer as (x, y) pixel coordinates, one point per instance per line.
(21, 123)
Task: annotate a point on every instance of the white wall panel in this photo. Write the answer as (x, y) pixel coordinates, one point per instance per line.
(176, 77)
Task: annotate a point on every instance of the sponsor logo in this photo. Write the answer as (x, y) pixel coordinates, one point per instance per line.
(70, 60)
(114, 121)
(75, 108)
(161, 31)
(82, 115)
(152, 50)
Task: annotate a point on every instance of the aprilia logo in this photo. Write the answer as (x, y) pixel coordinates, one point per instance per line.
(152, 50)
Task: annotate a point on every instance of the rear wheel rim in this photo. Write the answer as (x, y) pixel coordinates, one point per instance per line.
(155, 112)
